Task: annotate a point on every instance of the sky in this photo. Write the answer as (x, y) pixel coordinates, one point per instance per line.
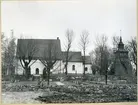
(51, 19)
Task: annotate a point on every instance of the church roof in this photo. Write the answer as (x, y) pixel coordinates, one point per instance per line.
(38, 48)
(73, 56)
(76, 57)
(87, 59)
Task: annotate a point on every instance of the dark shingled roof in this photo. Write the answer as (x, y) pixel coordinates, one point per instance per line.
(87, 60)
(73, 56)
(38, 48)
(76, 57)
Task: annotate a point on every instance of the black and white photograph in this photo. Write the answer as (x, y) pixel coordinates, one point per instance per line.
(68, 51)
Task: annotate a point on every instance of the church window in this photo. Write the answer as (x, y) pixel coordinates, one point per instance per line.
(86, 69)
(73, 67)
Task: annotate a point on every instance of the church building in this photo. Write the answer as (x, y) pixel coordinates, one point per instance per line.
(44, 49)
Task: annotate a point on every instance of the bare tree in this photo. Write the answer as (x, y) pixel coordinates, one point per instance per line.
(69, 39)
(101, 44)
(94, 66)
(4, 48)
(101, 53)
(50, 57)
(26, 49)
(8, 54)
(3, 41)
(84, 41)
(115, 40)
(95, 58)
(11, 53)
(132, 48)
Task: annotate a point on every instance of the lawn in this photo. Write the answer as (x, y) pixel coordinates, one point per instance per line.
(67, 92)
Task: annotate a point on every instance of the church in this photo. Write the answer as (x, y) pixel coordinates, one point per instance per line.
(39, 49)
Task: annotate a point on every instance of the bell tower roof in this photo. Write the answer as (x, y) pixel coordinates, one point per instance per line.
(120, 39)
(120, 44)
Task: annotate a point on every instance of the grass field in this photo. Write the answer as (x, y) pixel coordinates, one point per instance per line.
(67, 92)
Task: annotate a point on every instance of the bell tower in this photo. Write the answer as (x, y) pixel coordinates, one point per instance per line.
(121, 65)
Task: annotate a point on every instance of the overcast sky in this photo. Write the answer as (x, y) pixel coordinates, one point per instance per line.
(51, 19)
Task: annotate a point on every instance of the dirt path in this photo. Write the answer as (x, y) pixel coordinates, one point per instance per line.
(59, 83)
(20, 97)
(23, 97)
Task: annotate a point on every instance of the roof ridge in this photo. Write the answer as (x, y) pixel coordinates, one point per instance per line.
(72, 51)
(36, 39)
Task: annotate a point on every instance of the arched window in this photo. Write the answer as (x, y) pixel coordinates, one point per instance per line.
(86, 69)
(73, 67)
(37, 71)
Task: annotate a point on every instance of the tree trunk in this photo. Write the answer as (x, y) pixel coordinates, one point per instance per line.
(44, 74)
(106, 79)
(84, 69)
(66, 69)
(136, 70)
(27, 72)
(106, 68)
(84, 64)
(101, 64)
(48, 76)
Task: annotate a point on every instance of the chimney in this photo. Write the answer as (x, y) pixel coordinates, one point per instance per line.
(57, 38)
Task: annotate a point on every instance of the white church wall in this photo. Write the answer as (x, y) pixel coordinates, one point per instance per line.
(89, 70)
(78, 67)
(58, 67)
(38, 64)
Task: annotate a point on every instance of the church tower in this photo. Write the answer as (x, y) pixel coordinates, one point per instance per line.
(122, 65)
